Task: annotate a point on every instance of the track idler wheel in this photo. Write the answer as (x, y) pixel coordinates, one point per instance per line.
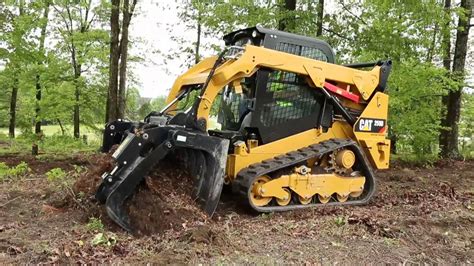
(356, 194)
(256, 191)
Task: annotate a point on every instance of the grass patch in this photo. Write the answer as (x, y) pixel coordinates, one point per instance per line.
(20, 170)
(56, 175)
(95, 225)
(51, 130)
(49, 144)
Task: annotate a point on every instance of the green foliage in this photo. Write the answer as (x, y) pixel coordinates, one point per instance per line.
(26, 63)
(410, 35)
(340, 221)
(466, 128)
(104, 239)
(95, 225)
(56, 175)
(17, 171)
(138, 108)
(415, 102)
(52, 144)
(79, 169)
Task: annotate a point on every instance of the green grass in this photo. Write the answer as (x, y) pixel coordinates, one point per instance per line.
(53, 142)
(51, 130)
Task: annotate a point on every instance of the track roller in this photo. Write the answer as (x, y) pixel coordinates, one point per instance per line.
(286, 200)
(342, 198)
(305, 200)
(324, 199)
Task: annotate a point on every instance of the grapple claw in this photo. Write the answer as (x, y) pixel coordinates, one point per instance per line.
(136, 156)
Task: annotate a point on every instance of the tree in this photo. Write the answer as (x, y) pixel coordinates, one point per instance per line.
(449, 146)
(44, 25)
(15, 68)
(288, 21)
(118, 58)
(82, 41)
(446, 43)
(19, 41)
(127, 16)
(191, 14)
(112, 97)
(319, 22)
(13, 102)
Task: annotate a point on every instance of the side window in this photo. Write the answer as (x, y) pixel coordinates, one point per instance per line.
(187, 101)
(290, 98)
(313, 53)
(305, 51)
(228, 109)
(288, 95)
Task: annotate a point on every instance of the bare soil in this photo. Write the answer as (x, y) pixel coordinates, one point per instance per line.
(419, 215)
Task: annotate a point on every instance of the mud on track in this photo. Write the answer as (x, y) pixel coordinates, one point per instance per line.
(417, 215)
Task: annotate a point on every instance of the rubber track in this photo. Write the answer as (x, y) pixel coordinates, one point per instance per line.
(247, 175)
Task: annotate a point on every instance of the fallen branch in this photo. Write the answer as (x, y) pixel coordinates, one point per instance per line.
(73, 196)
(8, 202)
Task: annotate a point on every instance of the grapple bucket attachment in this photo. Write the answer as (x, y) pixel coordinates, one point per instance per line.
(204, 155)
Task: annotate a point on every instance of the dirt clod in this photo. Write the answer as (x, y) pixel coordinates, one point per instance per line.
(203, 234)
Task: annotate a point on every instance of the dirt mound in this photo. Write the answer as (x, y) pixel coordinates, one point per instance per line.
(89, 181)
(162, 202)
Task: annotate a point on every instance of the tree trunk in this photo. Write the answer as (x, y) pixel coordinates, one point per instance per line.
(61, 126)
(38, 81)
(38, 84)
(13, 101)
(77, 75)
(77, 89)
(450, 149)
(14, 95)
(446, 43)
(319, 24)
(112, 103)
(197, 57)
(107, 104)
(288, 21)
(432, 47)
(127, 16)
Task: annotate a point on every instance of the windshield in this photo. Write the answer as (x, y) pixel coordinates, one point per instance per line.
(229, 109)
(182, 103)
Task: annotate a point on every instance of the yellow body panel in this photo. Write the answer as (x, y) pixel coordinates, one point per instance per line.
(375, 144)
(308, 185)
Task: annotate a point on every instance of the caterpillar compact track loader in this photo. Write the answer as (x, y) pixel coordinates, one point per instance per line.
(272, 116)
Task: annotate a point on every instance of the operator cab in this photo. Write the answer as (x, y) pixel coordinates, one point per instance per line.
(286, 103)
(282, 41)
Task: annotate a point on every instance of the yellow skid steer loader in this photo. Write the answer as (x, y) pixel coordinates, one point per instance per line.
(272, 116)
